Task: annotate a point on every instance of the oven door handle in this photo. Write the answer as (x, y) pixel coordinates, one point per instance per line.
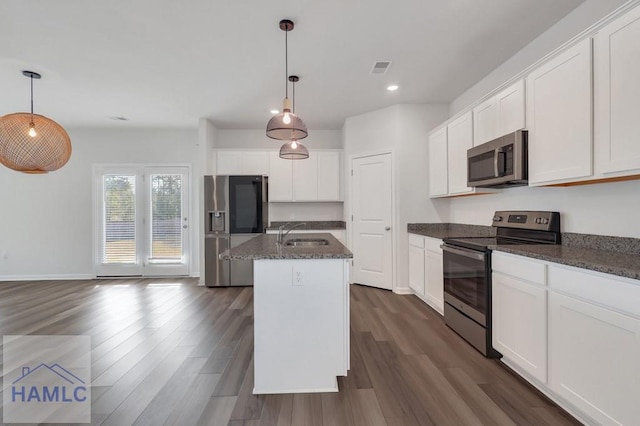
(466, 253)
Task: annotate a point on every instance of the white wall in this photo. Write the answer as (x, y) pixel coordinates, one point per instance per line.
(603, 209)
(402, 129)
(568, 27)
(46, 221)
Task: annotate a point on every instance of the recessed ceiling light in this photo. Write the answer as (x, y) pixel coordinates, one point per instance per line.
(392, 88)
(274, 111)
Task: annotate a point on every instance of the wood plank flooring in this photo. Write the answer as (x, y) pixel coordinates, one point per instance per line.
(166, 351)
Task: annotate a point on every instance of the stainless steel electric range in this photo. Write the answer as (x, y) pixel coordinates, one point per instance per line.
(467, 271)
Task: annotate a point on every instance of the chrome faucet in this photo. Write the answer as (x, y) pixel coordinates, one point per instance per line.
(281, 229)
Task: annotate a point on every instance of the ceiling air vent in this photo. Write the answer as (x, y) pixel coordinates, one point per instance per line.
(380, 67)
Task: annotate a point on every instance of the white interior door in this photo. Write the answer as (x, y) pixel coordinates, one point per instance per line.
(371, 200)
(142, 226)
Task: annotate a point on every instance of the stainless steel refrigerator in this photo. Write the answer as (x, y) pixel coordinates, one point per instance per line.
(235, 210)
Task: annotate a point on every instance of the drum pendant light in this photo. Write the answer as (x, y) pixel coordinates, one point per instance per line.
(32, 143)
(294, 150)
(286, 126)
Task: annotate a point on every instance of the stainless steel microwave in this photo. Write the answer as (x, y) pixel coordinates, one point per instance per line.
(500, 163)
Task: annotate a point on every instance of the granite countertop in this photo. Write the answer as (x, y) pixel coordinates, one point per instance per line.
(450, 230)
(311, 224)
(265, 247)
(610, 262)
(611, 255)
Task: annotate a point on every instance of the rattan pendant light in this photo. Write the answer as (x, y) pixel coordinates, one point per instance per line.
(286, 126)
(32, 143)
(294, 150)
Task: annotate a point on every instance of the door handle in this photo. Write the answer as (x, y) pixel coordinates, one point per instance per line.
(184, 226)
(387, 228)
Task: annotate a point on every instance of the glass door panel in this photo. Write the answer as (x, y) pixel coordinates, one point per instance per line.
(167, 225)
(142, 221)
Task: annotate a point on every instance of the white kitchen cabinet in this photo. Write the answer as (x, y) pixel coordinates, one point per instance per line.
(559, 109)
(617, 91)
(316, 178)
(510, 105)
(329, 175)
(434, 283)
(416, 264)
(280, 174)
(438, 175)
(485, 121)
(500, 114)
(242, 162)
(594, 355)
(459, 140)
(305, 178)
(520, 317)
(229, 163)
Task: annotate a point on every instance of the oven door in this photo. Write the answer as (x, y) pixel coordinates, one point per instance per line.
(466, 281)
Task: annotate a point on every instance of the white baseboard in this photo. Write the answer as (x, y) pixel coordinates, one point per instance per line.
(48, 277)
(402, 290)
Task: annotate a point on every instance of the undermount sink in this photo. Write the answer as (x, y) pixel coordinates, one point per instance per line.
(306, 242)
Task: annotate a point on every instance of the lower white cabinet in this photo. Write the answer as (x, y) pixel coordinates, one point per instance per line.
(573, 333)
(594, 357)
(416, 264)
(434, 282)
(520, 323)
(425, 270)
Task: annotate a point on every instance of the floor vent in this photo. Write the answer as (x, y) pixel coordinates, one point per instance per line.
(380, 67)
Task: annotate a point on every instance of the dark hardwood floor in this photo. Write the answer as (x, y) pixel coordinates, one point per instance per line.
(166, 351)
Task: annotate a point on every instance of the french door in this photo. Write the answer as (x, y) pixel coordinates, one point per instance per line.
(142, 221)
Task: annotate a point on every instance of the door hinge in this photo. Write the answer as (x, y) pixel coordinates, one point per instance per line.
(351, 172)
(351, 218)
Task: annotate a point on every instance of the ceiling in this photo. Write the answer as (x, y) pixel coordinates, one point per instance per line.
(165, 63)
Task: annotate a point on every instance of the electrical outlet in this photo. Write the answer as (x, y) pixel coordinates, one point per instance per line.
(297, 278)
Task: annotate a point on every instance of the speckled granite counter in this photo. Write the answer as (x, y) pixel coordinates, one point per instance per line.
(620, 263)
(611, 255)
(450, 230)
(265, 247)
(311, 224)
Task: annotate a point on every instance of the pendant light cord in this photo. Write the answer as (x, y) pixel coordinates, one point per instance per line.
(293, 95)
(286, 63)
(31, 78)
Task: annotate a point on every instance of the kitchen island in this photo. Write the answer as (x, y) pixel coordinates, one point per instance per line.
(301, 312)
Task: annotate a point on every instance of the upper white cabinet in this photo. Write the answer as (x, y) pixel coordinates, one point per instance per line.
(317, 178)
(459, 140)
(617, 95)
(500, 114)
(511, 108)
(485, 121)
(280, 173)
(438, 174)
(329, 173)
(242, 162)
(559, 106)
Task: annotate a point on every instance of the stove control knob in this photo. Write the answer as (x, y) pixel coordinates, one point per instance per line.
(497, 218)
(545, 221)
(538, 220)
